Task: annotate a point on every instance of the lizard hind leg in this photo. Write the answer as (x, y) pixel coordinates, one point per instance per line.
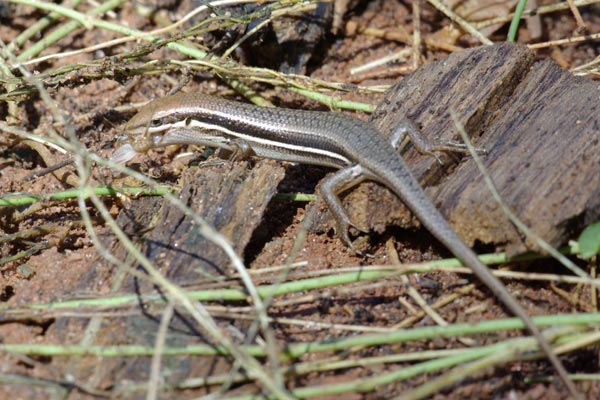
(424, 145)
(342, 180)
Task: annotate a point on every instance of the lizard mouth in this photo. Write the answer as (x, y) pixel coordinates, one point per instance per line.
(141, 140)
(134, 146)
(123, 154)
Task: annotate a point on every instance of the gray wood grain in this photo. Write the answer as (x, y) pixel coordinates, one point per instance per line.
(539, 124)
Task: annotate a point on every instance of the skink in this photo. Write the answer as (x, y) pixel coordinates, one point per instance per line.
(334, 140)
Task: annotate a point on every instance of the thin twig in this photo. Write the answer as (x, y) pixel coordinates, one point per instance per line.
(581, 27)
(460, 21)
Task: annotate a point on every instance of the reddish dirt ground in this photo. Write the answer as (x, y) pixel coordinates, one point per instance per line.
(63, 251)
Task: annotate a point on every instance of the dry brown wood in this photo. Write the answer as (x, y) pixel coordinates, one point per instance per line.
(539, 125)
(232, 198)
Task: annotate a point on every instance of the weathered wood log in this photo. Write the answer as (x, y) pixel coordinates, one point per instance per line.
(230, 197)
(539, 125)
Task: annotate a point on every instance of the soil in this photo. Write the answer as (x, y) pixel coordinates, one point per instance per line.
(56, 259)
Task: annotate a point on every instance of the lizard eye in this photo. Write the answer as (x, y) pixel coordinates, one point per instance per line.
(156, 122)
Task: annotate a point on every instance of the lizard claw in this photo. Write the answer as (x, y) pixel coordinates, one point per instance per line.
(342, 228)
(457, 147)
